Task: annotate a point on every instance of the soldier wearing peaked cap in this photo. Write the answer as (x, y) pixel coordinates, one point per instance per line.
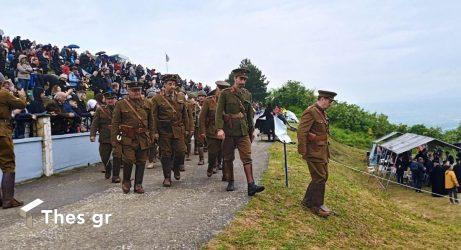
(191, 105)
(170, 123)
(102, 123)
(199, 143)
(133, 130)
(207, 129)
(234, 124)
(8, 102)
(313, 132)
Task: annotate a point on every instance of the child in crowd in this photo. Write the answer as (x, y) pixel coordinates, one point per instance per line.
(451, 184)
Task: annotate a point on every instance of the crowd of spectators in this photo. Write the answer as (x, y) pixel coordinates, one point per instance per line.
(438, 170)
(58, 80)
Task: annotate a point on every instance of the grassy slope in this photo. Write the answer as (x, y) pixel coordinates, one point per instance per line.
(367, 217)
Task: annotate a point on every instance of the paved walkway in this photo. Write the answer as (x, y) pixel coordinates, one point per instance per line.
(187, 215)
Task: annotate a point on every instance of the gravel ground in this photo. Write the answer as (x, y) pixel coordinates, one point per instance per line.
(185, 216)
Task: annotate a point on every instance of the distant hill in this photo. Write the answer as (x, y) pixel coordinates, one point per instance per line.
(443, 112)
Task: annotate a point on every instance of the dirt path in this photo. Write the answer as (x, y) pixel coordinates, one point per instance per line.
(186, 215)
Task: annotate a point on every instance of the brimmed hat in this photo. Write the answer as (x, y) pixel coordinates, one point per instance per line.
(171, 77)
(222, 84)
(134, 84)
(109, 95)
(240, 72)
(327, 94)
(201, 93)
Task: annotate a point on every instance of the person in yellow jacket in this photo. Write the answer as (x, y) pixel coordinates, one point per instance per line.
(451, 184)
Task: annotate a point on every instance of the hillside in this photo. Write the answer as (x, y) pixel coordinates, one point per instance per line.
(367, 217)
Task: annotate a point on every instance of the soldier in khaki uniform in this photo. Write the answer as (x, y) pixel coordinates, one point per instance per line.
(234, 124)
(198, 142)
(102, 123)
(191, 107)
(8, 102)
(170, 123)
(132, 129)
(208, 129)
(313, 145)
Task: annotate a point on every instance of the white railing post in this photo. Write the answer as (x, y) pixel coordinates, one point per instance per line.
(44, 131)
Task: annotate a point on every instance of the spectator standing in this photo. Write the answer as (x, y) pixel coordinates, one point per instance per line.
(457, 170)
(451, 185)
(417, 173)
(24, 71)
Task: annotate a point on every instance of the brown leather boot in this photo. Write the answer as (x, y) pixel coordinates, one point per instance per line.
(138, 189)
(126, 184)
(319, 212)
(139, 177)
(116, 169)
(167, 182)
(8, 200)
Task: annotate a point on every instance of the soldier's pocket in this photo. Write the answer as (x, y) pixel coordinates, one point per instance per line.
(126, 141)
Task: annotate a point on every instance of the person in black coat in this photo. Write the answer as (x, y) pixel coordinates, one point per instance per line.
(457, 170)
(267, 126)
(438, 180)
(37, 106)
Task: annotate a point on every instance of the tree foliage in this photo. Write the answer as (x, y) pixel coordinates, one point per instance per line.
(293, 95)
(256, 83)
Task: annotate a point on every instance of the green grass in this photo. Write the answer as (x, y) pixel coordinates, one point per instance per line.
(367, 216)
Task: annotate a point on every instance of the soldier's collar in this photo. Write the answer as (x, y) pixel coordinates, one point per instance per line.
(320, 108)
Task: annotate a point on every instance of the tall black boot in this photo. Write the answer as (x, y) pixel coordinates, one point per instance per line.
(126, 184)
(138, 177)
(8, 200)
(252, 187)
(116, 170)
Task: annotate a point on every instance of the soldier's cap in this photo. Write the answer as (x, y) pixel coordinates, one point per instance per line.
(222, 84)
(327, 94)
(240, 72)
(211, 93)
(201, 93)
(134, 85)
(171, 77)
(192, 95)
(109, 95)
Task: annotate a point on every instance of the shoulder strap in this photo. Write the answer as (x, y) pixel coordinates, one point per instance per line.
(134, 111)
(105, 112)
(169, 104)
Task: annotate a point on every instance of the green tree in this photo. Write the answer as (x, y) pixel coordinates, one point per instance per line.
(256, 83)
(293, 95)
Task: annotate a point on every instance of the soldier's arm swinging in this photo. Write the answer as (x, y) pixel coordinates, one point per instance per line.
(155, 118)
(95, 125)
(116, 119)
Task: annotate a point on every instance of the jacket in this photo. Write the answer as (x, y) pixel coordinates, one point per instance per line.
(450, 179)
(236, 105)
(313, 132)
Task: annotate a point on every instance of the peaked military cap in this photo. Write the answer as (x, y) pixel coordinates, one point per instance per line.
(134, 84)
(109, 95)
(240, 72)
(201, 93)
(222, 84)
(171, 77)
(327, 94)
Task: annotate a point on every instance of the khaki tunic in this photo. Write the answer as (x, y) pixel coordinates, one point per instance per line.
(232, 102)
(170, 122)
(8, 103)
(134, 149)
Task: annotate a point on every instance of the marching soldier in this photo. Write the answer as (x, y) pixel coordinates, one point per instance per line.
(102, 123)
(198, 143)
(170, 123)
(208, 129)
(8, 102)
(132, 128)
(191, 107)
(234, 124)
(313, 145)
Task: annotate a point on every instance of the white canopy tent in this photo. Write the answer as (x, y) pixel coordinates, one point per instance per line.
(410, 141)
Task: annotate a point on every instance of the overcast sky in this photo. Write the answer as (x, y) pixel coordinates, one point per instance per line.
(364, 50)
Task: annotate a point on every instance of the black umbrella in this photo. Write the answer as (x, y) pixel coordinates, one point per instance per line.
(73, 46)
(100, 53)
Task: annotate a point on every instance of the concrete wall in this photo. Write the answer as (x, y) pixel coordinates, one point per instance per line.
(29, 160)
(73, 150)
(46, 154)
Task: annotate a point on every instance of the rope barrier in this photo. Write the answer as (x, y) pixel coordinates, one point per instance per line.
(391, 181)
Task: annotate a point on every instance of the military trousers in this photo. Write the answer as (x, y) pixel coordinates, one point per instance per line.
(7, 157)
(105, 149)
(134, 154)
(153, 152)
(315, 192)
(172, 150)
(214, 151)
(243, 145)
